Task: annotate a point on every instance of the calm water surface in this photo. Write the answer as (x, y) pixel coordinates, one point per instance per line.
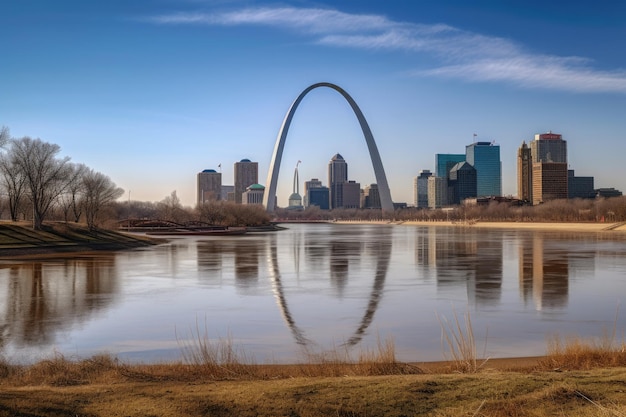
(318, 287)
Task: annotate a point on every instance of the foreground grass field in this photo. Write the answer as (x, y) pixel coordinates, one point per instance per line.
(576, 378)
(104, 388)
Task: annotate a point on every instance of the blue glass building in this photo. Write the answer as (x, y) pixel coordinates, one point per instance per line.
(485, 158)
(444, 163)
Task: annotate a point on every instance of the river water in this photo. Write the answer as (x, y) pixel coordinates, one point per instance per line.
(319, 287)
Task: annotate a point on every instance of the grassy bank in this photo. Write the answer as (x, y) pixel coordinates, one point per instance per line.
(19, 239)
(101, 386)
(574, 378)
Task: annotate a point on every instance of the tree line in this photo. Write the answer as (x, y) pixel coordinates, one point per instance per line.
(575, 210)
(36, 182)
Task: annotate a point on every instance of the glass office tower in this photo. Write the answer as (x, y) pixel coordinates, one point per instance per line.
(485, 158)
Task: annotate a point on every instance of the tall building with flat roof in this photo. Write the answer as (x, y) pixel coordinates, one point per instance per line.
(246, 174)
(420, 188)
(549, 173)
(337, 176)
(549, 147)
(549, 181)
(351, 194)
(437, 192)
(485, 157)
(308, 185)
(209, 186)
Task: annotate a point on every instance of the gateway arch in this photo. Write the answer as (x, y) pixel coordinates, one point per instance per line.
(269, 197)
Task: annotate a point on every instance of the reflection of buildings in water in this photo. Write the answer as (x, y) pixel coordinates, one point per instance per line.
(453, 253)
(40, 299)
(214, 255)
(380, 251)
(426, 247)
(171, 254)
(544, 272)
(296, 247)
(342, 253)
(485, 284)
(209, 257)
(470, 257)
(247, 262)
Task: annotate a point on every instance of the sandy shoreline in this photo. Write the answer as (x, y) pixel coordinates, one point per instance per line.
(566, 227)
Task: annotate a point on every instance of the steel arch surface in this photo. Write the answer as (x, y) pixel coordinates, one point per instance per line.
(269, 197)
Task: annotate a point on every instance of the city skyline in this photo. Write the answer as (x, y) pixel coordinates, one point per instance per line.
(151, 94)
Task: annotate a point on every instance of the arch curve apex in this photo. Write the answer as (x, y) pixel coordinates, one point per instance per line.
(269, 198)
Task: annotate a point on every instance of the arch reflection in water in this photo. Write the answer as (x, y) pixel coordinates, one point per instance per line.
(340, 253)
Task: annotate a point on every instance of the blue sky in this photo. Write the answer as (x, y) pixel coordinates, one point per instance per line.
(152, 92)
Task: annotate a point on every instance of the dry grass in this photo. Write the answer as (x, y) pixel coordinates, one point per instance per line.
(459, 344)
(174, 390)
(577, 353)
(60, 371)
(217, 379)
(218, 359)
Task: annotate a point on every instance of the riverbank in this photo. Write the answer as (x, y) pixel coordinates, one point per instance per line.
(19, 239)
(566, 227)
(101, 386)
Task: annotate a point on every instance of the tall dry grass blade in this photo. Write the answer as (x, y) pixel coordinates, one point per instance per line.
(459, 339)
(217, 357)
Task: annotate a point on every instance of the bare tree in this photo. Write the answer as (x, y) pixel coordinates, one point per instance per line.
(45, 175)
(4, 136)
(98, 192)
(72, 199)
(171, 209)
(13, 182)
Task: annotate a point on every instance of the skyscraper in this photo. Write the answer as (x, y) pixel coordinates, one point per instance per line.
(485, 157)
(209, 186)
(420, 188)
(462, 183)
(549, 181)
(351, 194)
(246, 174)
(549, 147)
(437, 192)
(549, 173)
(308, 185)
(444, 163)
(524, 173)
(337, 175)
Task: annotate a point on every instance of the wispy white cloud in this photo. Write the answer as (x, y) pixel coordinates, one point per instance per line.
(462, 55)
(314, 21)
(566, 74)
